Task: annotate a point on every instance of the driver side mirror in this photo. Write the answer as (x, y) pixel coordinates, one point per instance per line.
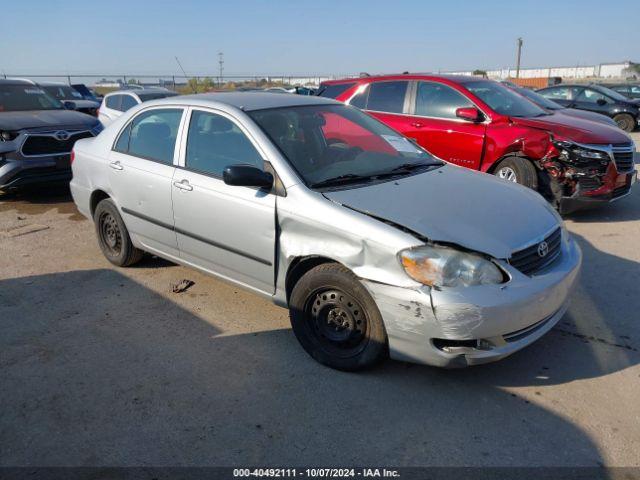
(601, 101)
(69, 105)
(471, 114)
(247, 176)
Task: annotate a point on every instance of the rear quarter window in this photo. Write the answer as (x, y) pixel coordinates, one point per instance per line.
(113, 102)
(334, 91)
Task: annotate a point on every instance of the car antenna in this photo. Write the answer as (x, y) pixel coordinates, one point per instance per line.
(185, 75)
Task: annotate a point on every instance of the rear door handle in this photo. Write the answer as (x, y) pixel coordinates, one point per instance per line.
(183, 185)
(116, 165)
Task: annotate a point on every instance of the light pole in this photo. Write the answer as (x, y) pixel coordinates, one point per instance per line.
(519, 43)
(221, 65)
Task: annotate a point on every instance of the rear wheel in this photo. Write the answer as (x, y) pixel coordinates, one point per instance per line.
(335, 319)
(113, 236)
(625, 122)
(517, 170)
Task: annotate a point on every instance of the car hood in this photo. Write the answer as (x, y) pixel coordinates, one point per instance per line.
(454, 205)
(85, 103)
(576, 129)
(584, 114)
(45, 118)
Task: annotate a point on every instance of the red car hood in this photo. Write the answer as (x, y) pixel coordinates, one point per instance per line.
(576, 129)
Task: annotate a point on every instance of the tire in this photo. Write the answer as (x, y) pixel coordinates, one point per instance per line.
(113, 236)
(335, 319)
(625, 121)
(518, 170)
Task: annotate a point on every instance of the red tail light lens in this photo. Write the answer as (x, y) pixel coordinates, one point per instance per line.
(72, 157)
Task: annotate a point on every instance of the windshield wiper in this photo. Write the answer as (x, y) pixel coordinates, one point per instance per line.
(407, 167)
(341, 179)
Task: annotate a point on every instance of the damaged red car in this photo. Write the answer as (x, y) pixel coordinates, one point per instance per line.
(483, 125)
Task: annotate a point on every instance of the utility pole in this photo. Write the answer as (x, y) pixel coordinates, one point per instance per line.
(221, 66)
(518, 60)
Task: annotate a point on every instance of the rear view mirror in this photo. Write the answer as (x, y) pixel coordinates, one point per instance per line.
(247, 176)
(471, 114)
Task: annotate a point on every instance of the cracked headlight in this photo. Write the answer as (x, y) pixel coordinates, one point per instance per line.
(578, 154)
(447, 267)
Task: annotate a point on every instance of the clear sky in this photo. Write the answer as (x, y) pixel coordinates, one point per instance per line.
(311, 37)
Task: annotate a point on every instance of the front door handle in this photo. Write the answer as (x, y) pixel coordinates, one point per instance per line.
(116, 165)
(183, 185)
(417, 124)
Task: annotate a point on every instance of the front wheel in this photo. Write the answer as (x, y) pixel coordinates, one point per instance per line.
(517, 170)
(625, 122)
(335, 319)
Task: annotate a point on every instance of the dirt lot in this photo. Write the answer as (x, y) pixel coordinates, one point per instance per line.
(106, 366)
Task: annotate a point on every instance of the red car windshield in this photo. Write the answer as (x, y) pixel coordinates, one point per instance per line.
(503, 100)
(337, 142)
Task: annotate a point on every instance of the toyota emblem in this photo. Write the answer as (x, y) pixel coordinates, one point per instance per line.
(62, 135)
(543, 249)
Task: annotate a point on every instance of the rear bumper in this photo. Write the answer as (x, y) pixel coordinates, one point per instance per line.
(470, 326)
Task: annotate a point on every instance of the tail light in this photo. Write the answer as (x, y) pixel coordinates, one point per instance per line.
(72, 157)
(97, 112)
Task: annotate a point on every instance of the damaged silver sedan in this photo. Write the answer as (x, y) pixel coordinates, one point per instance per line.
(376, 247)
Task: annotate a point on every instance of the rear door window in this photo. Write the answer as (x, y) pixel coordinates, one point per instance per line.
(387, 96)
(128, 102)
(592, 96)
(153, 134)
(438, 100)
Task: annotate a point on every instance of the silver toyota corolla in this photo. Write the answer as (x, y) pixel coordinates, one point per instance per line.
(375, 246)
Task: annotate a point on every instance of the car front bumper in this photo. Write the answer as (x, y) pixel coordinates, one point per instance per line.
(16, 174)
(457, 327)
(619, 187)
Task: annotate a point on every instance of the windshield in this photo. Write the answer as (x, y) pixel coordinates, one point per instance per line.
(504, 100)
(538, 99)
(63, 92)
(613, 94)
(14, 98)
(338, 145)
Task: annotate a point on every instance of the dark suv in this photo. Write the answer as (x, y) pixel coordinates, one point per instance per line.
(37, 134)
(599, 99)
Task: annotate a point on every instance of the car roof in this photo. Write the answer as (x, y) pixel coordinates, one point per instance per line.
(248, 101)
(15, 81)
(53, 84)
(408, 76)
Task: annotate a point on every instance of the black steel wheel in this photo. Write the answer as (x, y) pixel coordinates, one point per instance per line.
(336, 320)
(113, 236)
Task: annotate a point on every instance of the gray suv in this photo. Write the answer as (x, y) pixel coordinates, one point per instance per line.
(37, 134)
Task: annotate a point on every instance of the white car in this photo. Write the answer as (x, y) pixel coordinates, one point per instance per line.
(115, 103)
(375, 246)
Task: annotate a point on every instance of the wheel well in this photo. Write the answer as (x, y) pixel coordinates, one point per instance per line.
(299, 266)
(495, 164)
(96, 197)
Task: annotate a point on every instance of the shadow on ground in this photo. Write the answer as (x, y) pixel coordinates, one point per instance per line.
(140, 381)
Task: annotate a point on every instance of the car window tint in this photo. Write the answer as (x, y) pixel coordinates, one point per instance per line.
(560, 93)
(360, 99)
(387, 96)
(153, 134)
(592, 96)
(437, 100)
(128, 102)
(113, 101)
(332, 91)
(215, 142)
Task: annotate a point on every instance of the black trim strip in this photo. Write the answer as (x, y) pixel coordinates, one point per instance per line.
(196, 237)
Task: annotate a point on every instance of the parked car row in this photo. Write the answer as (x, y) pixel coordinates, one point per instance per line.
(565, 155)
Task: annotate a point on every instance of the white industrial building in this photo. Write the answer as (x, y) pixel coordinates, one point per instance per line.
(603, 70)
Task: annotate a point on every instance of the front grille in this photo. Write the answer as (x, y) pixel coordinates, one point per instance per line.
(48, 144)
(589, 183)
(623, 155)
(529, 261)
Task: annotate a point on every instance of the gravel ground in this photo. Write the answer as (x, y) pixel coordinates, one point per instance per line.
(107, 366)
